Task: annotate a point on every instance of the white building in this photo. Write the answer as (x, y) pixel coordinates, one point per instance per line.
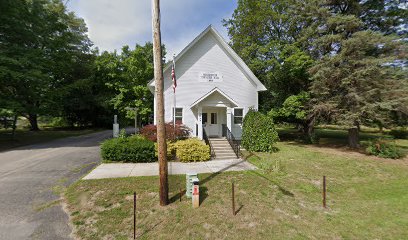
(215, 88)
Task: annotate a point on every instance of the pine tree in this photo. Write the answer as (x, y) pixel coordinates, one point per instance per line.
(356, 50)
(356, 85)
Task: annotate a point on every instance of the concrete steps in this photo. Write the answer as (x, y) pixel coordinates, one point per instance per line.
(222, 149)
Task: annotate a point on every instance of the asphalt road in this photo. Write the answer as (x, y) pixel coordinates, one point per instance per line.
(30, 177)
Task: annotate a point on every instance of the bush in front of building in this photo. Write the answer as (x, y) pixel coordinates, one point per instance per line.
(258, 132)
(128, 149)
(172, 134)
(171, 150)
(192, 150)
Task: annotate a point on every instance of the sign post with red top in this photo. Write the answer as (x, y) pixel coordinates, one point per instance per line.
(196, 193)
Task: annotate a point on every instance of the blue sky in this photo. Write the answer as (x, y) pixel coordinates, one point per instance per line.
(112, 24)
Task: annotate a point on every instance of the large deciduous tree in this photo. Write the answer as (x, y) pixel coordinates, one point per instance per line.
(39, 42)
(85, 99)
(264, 34)
(127, 75)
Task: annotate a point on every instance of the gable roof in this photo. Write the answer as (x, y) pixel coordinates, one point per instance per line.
(227, 48)
(235, 104)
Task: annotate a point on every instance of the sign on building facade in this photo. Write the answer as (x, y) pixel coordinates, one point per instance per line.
(209, 77)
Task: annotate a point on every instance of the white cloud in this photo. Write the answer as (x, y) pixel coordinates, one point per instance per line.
(113, 24)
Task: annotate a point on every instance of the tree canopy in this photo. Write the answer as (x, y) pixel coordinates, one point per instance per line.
(341, 61)
(127, 75)
(48, 67)
(348, 56)
(41, 45)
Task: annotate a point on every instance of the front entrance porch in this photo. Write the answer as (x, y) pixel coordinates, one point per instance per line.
(214, 121)
(212, 112)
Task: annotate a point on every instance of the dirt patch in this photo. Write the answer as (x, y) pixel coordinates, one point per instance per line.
(65, 208)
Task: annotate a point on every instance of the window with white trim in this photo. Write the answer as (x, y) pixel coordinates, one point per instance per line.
(179, 115)
(238, 115)
(213, 118)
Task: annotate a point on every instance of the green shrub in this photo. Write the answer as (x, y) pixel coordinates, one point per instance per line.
(192, 150)
(122, 133)
(179, 132)
(384, 149)
(128, 149)
(171, 150)
(59, 122)
(259, 134)
(399, 133)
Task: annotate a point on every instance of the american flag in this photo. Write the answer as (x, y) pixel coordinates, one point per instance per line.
(173, 77)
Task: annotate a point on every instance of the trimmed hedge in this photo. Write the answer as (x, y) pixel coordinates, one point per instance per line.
(128, 149)
(259, 134)
(192, 150)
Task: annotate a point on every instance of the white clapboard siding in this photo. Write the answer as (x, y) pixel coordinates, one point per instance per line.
(208, 55)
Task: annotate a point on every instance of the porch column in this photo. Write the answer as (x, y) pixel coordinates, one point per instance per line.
(200, 122)
(229, 118)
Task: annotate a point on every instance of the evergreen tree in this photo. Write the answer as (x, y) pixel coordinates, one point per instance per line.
(356, 86)
(354, 73)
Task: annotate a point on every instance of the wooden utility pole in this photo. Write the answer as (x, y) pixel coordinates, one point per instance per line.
(161, 130)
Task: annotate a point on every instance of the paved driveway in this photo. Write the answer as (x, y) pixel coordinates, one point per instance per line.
(30, 178)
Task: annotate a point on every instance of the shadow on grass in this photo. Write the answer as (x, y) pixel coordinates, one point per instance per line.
(203, 194)
(239, 209)
(203, 189)
(177, 197)
(283, 190)
(219, 172)
(149, 230)
(335, 138)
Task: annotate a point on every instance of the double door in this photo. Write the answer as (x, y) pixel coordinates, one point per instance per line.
(211, 123)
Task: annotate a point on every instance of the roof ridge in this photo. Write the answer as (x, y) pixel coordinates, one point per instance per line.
(225, 45)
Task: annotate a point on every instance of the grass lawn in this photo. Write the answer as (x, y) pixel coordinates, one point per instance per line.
(25, 137)
(332, 137)
(367, 199)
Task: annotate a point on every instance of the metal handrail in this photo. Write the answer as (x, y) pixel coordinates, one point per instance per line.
(235, 144)
(207, 141)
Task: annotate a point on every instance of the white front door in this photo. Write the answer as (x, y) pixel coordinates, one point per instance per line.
(211, 126)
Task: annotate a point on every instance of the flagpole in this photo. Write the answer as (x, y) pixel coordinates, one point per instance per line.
(174, 102)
